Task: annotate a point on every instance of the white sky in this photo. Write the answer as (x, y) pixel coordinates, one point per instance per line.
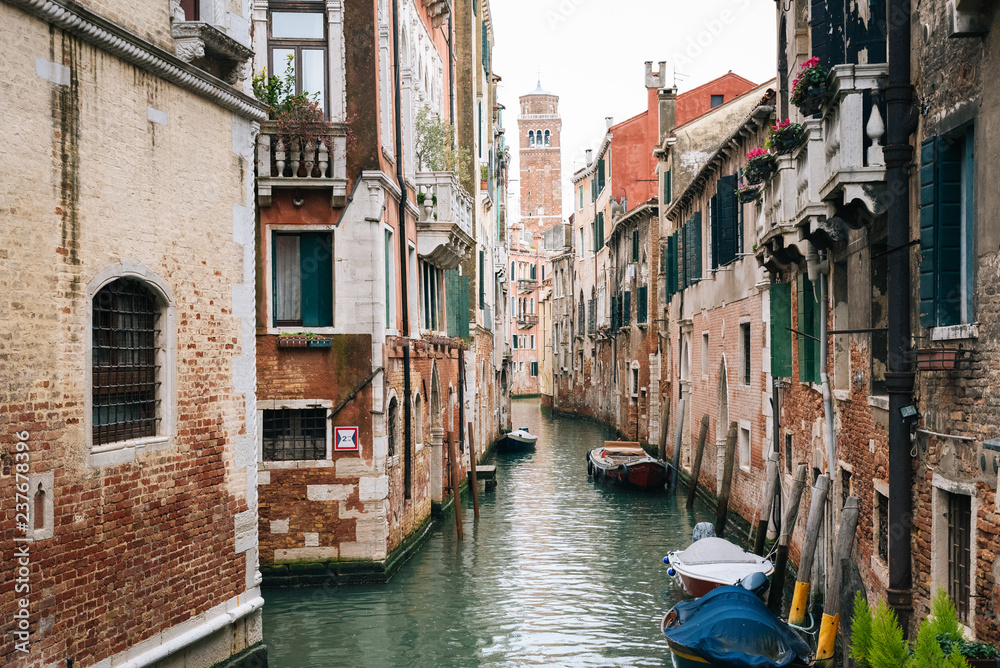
(591, 53)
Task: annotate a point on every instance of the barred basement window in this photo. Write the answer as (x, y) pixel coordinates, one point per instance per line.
(294, 434)
(125, 369)
(882, 516)
(959, 553)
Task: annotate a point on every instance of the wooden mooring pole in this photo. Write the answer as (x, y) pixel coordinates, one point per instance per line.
(472, 472)
(727, 481)
(784, 538)
(800, 598)
(664, 425)
(766, 504)
(678, 438)
(696, 465)
(831, 612)
(456, 481)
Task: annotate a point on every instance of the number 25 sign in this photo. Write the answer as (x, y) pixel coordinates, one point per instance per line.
(345, 439)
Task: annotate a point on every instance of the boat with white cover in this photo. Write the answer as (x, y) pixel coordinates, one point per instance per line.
(714, 562)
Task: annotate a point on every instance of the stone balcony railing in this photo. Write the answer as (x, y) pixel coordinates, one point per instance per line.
(318, 163)
(526, 285)
(500, 260)
(527, 321)
(836, 179)
(444, 226)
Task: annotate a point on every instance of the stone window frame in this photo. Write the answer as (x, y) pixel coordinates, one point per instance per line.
(940, 488)
(121, 452)
(744, 426)
(267, 254)
(879, 567)
(746, 379)
(706, 351)
(293, 404)
(392, 461)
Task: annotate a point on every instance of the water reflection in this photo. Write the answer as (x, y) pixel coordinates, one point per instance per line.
(558, 571)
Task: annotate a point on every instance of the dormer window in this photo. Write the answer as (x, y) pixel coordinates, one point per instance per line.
(297, 40)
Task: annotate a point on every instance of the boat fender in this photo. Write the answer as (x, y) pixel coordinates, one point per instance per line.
(624, 475)
(671, 572)
(666, 560)
(590, 467)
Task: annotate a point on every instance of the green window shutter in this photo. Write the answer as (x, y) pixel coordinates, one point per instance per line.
(451, 296)
(534, 272)
(666, 187)
(683, 242)
(593, 188)
(928, 232)
(635, 245)
(949, 230)
(627, 309)
(486, 47)
(695, 223)
(807, 323)
(713, 226)
(614, 313)
(515, 341)
(593, 234)
(463, 312)
(482, 279)
(641, 305)
(728, 220)
(389, 280)
(781, 338)
(671, 270)
(316, 258)
(600, 175)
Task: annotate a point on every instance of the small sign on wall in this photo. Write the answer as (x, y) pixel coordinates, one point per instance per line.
(345, 439)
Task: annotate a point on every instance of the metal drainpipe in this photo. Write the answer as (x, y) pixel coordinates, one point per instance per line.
(899, 377)
(403, 264)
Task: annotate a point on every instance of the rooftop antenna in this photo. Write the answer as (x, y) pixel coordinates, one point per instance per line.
(679, 74)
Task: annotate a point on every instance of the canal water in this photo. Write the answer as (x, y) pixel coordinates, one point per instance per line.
(558, 571)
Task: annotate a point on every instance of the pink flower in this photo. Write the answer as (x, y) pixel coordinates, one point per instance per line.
(756, 153)
(812, 62)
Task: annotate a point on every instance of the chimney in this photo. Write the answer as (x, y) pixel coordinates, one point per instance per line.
(667, 103)
(659, 79)
(608, 122)
(590, 156)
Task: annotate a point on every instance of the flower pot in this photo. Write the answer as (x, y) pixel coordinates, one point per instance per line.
(760, 169)
(814, 100)
(787, 143)
(293, 341)
(749, 194)
(320, 342)
(937, 359)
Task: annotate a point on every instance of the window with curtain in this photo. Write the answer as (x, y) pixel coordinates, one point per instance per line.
(303, 279)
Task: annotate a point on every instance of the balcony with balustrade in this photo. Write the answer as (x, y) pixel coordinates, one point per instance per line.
(836, 179)
(302, 163)
(444, 226)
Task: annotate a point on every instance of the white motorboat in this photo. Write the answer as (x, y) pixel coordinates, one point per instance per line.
(521, 439)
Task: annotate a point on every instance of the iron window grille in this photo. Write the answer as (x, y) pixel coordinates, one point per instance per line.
(883, 528)
(959, 557)
(125, 370)
(294, 434)
(393, 426)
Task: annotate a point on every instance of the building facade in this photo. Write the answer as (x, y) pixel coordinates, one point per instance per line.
(375, 352)
(129, 456)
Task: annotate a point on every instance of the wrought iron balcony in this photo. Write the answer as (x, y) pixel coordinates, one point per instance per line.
(284, 162)
(836, 179)
(526, 285)
(444, 227)
(526, 321)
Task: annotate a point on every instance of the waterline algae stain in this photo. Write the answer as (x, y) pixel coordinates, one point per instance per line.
(557, 571)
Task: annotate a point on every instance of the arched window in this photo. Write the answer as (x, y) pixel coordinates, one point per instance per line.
(531, 137)
(532, 306)
(546, 137)
(392, 427)
(126, 331)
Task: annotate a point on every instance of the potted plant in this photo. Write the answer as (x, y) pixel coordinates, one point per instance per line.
(748, 193)
(484, 173)
(937, 359)
(784, 137)
(304, 340)
(302, 126)
(761, 164)
(809, 88)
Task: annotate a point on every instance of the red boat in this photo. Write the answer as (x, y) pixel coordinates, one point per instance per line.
(626, 463)
(713, 562)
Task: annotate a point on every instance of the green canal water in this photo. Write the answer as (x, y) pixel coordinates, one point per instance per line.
(556, 572)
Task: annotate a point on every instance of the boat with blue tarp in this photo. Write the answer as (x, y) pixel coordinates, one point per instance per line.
(730, 627)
